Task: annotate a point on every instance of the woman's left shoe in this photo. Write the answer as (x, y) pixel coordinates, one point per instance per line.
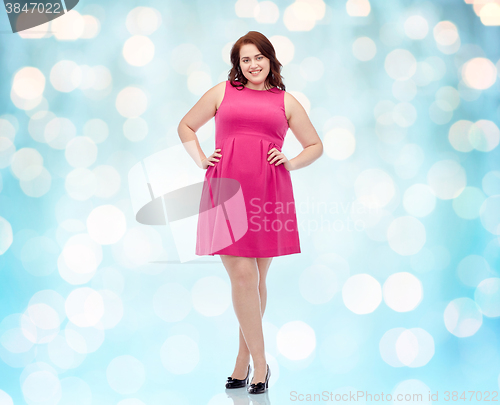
(235, 383)
(260, 387)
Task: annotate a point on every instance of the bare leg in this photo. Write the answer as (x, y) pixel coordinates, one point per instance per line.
(243, 359)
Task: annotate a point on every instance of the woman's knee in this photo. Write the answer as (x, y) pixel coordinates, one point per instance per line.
(243, 271)
(245, 278)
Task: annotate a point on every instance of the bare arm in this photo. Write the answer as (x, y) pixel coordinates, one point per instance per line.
(304, 131)
(196, 117)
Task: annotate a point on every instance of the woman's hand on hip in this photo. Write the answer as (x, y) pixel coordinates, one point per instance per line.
(277, 158)
(208, 161)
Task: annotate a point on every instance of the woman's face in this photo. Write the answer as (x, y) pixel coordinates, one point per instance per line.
(252, 60)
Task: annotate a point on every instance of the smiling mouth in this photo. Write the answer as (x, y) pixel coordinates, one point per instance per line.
(255, 72)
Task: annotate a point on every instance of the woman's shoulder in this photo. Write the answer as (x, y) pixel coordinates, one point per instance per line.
(292, 105)
(219, 88)
(289, 98)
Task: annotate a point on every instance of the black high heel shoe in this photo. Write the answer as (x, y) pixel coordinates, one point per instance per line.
(260, 387)
(235, 383)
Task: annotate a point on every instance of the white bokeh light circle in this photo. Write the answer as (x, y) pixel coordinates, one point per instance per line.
(179, 354)
(184, 56)
(458, 135)
(69, 28)
(358, 8)
(484, 135)
(400, 64)
(419, 200)
(84, 307)
(473, 269)
(406, 235)
(96, 129)
(58, 132)
(404, 90)
(339, 143)
(113, 309)
(80, 255)
(364, 49)
(285, 48)
(5, 399)
(402, 292)
(138, 50)
(445, 33)
(135, 129)
(27, 164)
(81, 151)
(447, 179)
(416, 27)
(131, 102)
(487, 296)
(28, 83)
(6, 235)
(312, 69)
(84, 339)
(463, 317)
(172, 302)
(410, 390)
(35, 333)
(38, 186)
(51, 298)
(318, 284)
(18, 335)
(468, 203)
(108, 181)
(387, 347)
(106, 224)
(7, 150)
(415, 347)
(412, 347)
(42, 387)
(299, 16)
(479, 73)
(43, 316)
(266, 12)
(81, 183)
(490, 214)
(62, 355)
(65, 76)
(140, 245)
(92, 26)
(296, 340)
(374, 188)
(211, 296)
(404, 114)
(362, 293)
(143, 20)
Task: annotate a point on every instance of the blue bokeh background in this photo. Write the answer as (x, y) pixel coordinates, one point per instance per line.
(396, 289)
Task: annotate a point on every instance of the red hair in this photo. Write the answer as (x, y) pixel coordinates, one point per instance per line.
(274, 78)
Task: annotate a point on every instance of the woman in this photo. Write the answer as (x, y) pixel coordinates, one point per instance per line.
(252, 114)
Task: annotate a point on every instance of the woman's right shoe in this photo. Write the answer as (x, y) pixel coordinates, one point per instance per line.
(260, 387)
(235, 383)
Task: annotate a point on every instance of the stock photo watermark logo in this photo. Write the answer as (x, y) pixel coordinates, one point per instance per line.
(25, 14)
(204, 215)
(207, 215)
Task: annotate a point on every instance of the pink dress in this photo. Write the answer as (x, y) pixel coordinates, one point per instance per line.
(247, 206)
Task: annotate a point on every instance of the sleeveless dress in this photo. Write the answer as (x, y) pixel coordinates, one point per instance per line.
(247, 206)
